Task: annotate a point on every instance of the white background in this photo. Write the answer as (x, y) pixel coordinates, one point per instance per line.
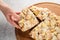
(7, 32)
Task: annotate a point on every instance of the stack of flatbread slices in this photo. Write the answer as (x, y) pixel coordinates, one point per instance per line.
(46, 29)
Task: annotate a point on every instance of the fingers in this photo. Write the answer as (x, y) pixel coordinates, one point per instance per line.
(12, 22)
(13, 19)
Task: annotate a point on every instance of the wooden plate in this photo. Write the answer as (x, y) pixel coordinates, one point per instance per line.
(52, 6)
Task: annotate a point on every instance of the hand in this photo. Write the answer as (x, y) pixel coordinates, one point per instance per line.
(10, 14)
(13, 19)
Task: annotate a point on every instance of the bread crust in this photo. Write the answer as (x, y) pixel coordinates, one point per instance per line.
(48, 29)
(27, 20)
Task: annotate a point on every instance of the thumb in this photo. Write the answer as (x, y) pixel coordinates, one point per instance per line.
(15, 17)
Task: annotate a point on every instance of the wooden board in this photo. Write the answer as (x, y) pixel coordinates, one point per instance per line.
(52, 6)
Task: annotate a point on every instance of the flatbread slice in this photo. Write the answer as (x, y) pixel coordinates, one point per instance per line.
(49, 29)
(41, 13)
(27, 20)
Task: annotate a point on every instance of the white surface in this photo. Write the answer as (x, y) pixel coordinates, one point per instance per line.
(7, 32)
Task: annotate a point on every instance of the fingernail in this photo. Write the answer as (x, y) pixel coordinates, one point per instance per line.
(18, 13)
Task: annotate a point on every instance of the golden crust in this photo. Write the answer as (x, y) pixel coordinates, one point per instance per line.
(40, 12)
(46, 30)
(49, 29)
(27, 20)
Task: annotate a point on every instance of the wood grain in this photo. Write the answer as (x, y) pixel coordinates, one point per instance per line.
(52, 6)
